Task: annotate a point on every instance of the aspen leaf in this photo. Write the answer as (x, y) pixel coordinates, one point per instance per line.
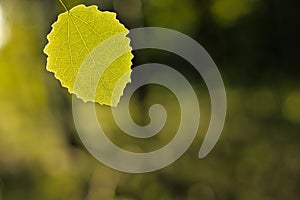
(89, 53)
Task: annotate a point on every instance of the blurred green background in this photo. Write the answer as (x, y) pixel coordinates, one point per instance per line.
(255, 44)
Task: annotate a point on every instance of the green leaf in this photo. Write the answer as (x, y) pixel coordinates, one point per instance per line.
(89, 53)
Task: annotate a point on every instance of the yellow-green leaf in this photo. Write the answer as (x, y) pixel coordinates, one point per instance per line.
(89, 53)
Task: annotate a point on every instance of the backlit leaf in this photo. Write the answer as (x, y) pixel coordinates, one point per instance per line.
(89, 53)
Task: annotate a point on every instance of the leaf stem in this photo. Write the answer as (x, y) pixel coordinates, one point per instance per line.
(64, 5)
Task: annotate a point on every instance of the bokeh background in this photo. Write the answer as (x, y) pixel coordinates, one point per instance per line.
(255, 44)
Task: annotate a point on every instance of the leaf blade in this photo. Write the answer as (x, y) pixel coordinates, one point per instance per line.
(74, 45)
